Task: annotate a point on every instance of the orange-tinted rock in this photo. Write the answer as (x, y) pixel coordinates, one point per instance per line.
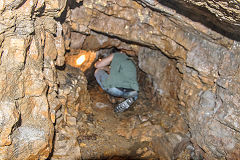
(27, 129)
(207, 58)
(9, 116)
(33, 138)
(73, 91)
(160, 32)
(86, 61)
(50, 48)
(97, 41)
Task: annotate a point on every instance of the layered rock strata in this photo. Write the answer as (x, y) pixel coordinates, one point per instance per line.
(31, 46)
(206, 59)
(202, 87)
(75, 102)
(220, 16)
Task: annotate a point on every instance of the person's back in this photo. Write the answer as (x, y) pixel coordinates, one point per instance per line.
(122, 73)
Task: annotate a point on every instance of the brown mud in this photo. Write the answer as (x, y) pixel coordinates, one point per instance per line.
(108, 134)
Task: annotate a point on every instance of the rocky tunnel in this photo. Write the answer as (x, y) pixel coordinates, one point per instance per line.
(187, 58)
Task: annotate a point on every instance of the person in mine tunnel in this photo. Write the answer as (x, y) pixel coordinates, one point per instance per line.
(116, 74)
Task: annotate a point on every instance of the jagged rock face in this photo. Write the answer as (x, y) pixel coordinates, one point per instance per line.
(209, 92)
(142, 25)
(222, 16)
(205, 91)
(75, 100)
(30, 49)
(208, 61)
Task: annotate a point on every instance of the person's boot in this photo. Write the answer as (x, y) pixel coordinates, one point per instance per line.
(124, 105)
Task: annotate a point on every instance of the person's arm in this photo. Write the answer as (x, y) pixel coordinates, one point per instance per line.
(106, 68)
(104, 62)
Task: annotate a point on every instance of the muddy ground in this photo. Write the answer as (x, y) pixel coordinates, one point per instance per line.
(128, 135)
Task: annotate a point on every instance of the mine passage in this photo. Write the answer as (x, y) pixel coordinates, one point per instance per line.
(134, 132)
(181, 57)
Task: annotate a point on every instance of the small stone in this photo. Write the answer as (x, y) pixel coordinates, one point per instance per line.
(101, 105)
(143, 118)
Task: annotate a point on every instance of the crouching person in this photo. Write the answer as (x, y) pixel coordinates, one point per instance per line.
(116, 74)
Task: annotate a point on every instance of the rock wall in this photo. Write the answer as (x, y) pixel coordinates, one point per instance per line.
(207, 59)
(196, 42)
(220, 16)
(76, 103)
(31, 46)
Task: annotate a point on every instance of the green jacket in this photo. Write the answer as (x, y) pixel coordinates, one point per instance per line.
(122, 74)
